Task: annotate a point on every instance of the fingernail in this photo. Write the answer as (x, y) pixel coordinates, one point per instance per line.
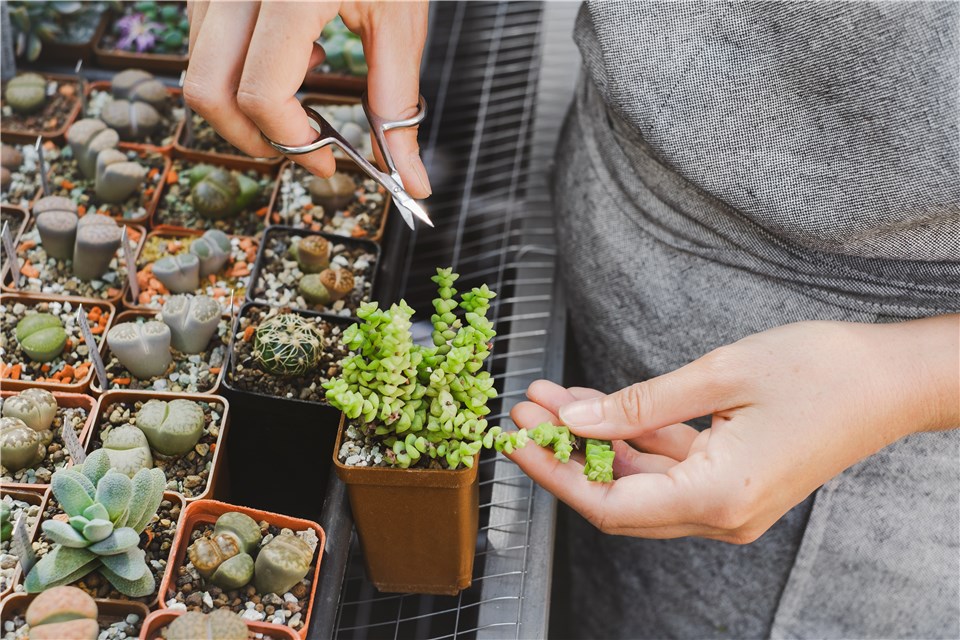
(582, 413)
(421, 172)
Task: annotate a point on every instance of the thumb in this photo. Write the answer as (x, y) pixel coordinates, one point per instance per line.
(694, 390)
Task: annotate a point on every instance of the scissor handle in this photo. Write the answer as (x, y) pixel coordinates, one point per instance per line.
(379, 126)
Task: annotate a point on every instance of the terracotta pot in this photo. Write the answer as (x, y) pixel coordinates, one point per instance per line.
(63, 400)
(33, 497)
(173, 92)
(436, 510)
(175, 232)
(140, 234)
(212, 157)
(162, 618)
(130, 316)
(69, 53)
(217, 464)
(30, 136)
(76, 386)
(339, 82)
(108, 611)
(207, 512)
(165, 63)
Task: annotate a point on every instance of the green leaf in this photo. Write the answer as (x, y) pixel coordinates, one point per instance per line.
(62, 533)
(130, 565)
(62, 565)
(34, 46)
(120, 541)
(96, 511)
(96, 466)
(73, 490)
(113, 492)
(97, 530)
(143, 587)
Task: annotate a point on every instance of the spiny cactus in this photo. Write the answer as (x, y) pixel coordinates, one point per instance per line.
(220, 193)
(172, 428)
(213, 251)
(63, 613)
(56, 220)
(193, 321)
(20, 446)
(224, 558)
(179, 273)
(144, 349)
(128, 449)
(36, 407)
(220, 624)
(26, 93)
(98, 238)
(281, 563)
(106, 512)
(287, 345)
(41, 336)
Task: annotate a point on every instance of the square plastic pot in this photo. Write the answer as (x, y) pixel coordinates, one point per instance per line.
(164, 63)
(162, 618)
(108, 611)
(30, 496)
(30, 136)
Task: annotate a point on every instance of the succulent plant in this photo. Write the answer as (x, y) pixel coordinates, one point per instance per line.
(144, 349)
(36, 407)
(343, 48)
(219, 624)
(312, 289)
(312, 253)
(287, 345)
(136, 85)
(87, 138)
(36, 23)
(333, 193)
(193, 320)
(106, 512)
(98, 238)
(63, 613)
(20, 446)
(353, 54)
(172, 428)
(281, 563)
(213, 251)
(6, 527)
(219, 193)
(56, 220)
(179, 273)
(117, 178)
(132, 120)
(224, 558)
(327, 286)
(6, 178)
(153, 27)
(41, 336)
(10, 157)
(26, 93)
(128, 450)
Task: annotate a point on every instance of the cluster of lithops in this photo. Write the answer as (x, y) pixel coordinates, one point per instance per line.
(287, 345)
(106, 512)
(138, 99)
(166, 428)
(26, 93)
(25, 428)
(63, 613)
(320, 284)
(41, 336)
(226, 557)
(183, 272)
(220, 624)
(90, 242)
(94, 146)
(218, 193)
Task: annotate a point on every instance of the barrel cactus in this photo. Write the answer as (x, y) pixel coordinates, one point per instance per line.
(36, 407)
(287, 345)
(172, 428)
(20, 446)
(106, 512)
(179, 273)
(224, 558)
(144, 349)
(220, 624)
(218, 193)
(213, 251)
(193, 321)
(281, 563)
(26, 93)
(41, 336)
(56, 221)
(63, 613)
(128, 450)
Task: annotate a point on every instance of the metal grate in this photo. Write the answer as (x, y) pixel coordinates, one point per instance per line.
(496, 112)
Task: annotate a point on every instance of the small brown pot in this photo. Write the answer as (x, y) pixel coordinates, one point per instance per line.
(436, 510)
(165, 63)
(162, 618)
(108, 611)
(75, 386)
(207, 512)
(173, 92)
(30, 136)
(69, 53)
(63, 400)
(218, 463)
(33, 497)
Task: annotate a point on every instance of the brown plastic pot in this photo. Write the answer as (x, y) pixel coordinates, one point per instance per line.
(212, 157)
(31, 496)
(206, 512)
(437, 512)
(115, 59)
(130, 316)
(63, 400)
(108, 611)
(76, 386)
(141, 234)
(162, 618)
(30, 136)
(173, 92)
(218, 463)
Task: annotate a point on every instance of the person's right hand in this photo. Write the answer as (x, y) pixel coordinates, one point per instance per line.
(248, 60)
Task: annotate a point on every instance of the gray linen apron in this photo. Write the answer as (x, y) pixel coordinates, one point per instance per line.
(731, 167)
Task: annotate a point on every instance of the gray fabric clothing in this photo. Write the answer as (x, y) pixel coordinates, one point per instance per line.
(728, 168)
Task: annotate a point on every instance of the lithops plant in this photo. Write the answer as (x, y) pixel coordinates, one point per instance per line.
(144, 349)
(98, 238)
(220, 624)
(140, 86)
(6, 527)
(106, 512)
(41, 336)
(63, 613)
(332, 193)
(56, 220)
(312, 289)
(128, 449)
(87, 138)
(213, 251)
(179, 273)
(224, 558)
(36, 407)
(193, 320)
(281, 563)
(117, 177)
(312, 254)
(132, 120)
(20, 446)
(219, 193)
(287, 345)
(26, 93)
(172, 428)
(339, 282)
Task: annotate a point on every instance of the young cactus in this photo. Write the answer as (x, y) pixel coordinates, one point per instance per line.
(213, 251)
(144, 349)
(106, 512)
(179, 273)
(36, 407)
(224, 558)
(41, 336)
(193, 321)
(219, 624)
(87, 138)
(219, 193)
(128, 450)
(98, 238)
(63, 613)
(117, 178)
(56, 220)
(172, 428)
(287, 345)
(281, 563)
(20, 446)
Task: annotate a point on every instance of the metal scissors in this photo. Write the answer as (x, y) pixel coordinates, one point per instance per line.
(391, 181)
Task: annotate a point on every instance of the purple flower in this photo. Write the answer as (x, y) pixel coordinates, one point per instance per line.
(134, 29)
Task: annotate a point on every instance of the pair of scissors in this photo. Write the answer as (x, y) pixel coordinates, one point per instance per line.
(391, 181)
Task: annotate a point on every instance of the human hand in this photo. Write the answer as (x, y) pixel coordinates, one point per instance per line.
(792, 407)
(248, 60)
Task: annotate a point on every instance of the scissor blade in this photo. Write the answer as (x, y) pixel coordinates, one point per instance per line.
(406, 202)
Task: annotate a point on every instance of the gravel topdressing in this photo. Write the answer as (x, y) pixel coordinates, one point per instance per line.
(25, 182)
(9, 560)
(111, 627)
(57, 456)
(163, 135)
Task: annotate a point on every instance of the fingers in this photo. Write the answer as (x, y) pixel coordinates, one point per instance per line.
(279, 55)
(629, 461)
(196, 10)
(552, 396)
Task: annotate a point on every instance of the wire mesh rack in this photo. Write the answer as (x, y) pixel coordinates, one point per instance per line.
(498, 79)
